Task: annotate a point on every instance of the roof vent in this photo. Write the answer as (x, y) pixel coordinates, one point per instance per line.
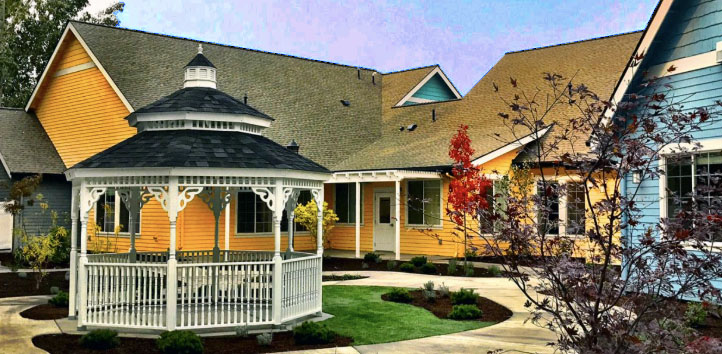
(345, 103)
(433, 115)
(293, 146)
(200, 72)
(411, 127)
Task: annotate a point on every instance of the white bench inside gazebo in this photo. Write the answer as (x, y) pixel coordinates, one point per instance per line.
(195, 289)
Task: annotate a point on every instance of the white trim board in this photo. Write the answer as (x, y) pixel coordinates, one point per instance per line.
(521, 142)
(683, 65)
(437, 70)
(43, 77)
(643, 47)
(380, 176)
(5, 165)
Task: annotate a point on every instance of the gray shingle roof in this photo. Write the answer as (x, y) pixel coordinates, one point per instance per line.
(25, 145)
(199, 148)
(303, 96)
(201, 99)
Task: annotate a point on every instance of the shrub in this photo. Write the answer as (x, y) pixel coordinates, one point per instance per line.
(429, 286)
(464, 297)
(428, 268)
(100, 339)
(180, 342)
(59, 300)
(452, 267)
(313, 333)
(390, 265)
(443, 290)
(54, 290)
(242, 331)
(696, 314)
(470, 253)
(494, 271)
(418, 261)
(372, 257)
(469, 269)
(22, 275)
(464, 312)
(407, 267)
(429, 295)
(265, 339)
(364, 265)
(399, 295)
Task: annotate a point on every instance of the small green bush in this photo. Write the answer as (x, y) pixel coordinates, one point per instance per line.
(372, 257)
(469, 269)
(429, 286)
(242, 331)
(452, 267)
(364, 265)
(180, 342)
(59, 300)
(399, 295)
(418, 261)
(429, 296)
(464, 312)
(54, 290)
(265, 339)
(428, 268)
(444, 290)
(464, 297)
(696, 314)
(390, 265)
(407, 267)
(471, 253)
(494, 271)
(100, 339)
(22, 275)
(313, 333)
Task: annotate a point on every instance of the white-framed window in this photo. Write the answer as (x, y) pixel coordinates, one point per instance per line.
(110, 212)
(566, 213)
(423, 202)
(697, 175)
(496, 200)
(254, 217)
(345, 202)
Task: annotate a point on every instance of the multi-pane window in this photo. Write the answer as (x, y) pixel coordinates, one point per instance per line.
(496, 201)
(699, 176)
(548, 214)
(110, 212)
(424, 202)
(254, 216)
(345, 202)
(576, 212)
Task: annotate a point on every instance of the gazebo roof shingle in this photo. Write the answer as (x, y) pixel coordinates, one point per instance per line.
(201, 99)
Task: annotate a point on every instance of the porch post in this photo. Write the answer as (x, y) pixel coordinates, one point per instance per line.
(358, 219)
(319, 227)
(73, 251)
(278, 207)
(291, 229)
(397, 228)
(227, 229)
(171, 278)
(88, 198)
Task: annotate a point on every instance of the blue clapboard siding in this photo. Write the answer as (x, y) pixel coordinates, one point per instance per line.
(692, 27)
(435, 89)
(56, 192)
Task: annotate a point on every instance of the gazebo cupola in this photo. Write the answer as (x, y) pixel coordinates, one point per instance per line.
(196, 142)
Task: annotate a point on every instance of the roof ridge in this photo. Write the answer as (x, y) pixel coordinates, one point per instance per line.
(12, 108)
(574, 42)
(224, 45)
(411, 69)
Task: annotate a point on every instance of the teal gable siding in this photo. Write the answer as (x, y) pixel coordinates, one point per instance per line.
(435, 89)
(692, 27)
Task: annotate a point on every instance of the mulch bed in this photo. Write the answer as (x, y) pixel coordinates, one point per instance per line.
(712, 327)
(11, 285)
(342, 277)
(491, 311)
(45, 312)
(8, 259)
(283, 341)
(345, 264)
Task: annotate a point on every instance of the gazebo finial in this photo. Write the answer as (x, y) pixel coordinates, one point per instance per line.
(200, 48)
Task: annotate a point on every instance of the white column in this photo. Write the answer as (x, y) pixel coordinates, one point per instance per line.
(319, 230)
(397, 229)
(358, 219)
(73, 291)
(291, 227)
(87, 200)
(278, 207)
(227, 235)
(171, 279)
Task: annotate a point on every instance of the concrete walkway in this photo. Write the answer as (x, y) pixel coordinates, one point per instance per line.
(16, 333)
(512, 335)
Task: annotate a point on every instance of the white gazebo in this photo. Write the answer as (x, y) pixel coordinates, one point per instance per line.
(195, 143)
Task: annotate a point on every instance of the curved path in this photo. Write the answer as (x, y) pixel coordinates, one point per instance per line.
(16, 333)
(512, 335)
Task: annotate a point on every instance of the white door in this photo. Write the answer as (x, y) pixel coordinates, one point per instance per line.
(384, 222)
(6, 229)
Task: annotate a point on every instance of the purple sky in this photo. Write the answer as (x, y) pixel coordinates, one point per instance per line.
(465, 37)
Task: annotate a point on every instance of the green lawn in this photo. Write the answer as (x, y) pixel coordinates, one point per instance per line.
(360, 313)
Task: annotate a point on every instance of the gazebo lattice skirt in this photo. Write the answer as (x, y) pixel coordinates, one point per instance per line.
(239, 288)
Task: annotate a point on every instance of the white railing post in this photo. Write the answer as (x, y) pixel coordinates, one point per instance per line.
(171, 273)
(397, 211)
(83, 274)
(73, 290)
(358, 219)
(319, 229)
(277, 294)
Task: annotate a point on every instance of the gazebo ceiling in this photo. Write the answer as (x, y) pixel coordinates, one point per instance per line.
(200, 148)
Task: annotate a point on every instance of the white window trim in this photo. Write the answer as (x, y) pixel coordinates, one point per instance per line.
(493, 178)
(116, 221)
(436, 70)
(349, 224)
(704, 145)
(562, 222)
(438, 226)
(258, 234)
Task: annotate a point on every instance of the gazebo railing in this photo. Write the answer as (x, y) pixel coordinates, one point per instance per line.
(228, 293)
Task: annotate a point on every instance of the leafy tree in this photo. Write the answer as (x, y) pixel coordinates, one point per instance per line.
(307, 216)
(29, 31)
(618, 301)
(37, 252)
